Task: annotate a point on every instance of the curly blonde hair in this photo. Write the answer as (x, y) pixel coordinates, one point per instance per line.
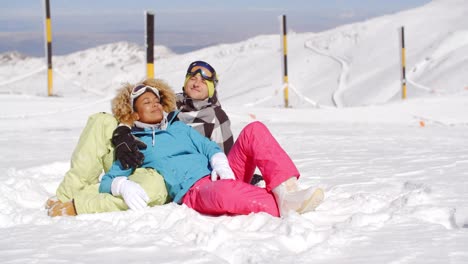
(122, 109)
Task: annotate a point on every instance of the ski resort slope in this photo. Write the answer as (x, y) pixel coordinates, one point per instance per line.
(395, 173)
(352, 65)
(395, 179)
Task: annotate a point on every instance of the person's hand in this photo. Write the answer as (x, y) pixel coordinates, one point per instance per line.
(221, 168)
(132, 193)
(127, 147)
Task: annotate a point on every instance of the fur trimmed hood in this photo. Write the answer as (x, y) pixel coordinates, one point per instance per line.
(122, 109)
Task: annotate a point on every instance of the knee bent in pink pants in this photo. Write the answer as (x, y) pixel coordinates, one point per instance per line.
(255, 147)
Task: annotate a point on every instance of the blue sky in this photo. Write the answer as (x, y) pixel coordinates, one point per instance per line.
(180, 25)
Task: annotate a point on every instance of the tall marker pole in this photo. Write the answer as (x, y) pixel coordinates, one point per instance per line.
(149, 44)
(285, 62)
(403, 64)
(48, 34)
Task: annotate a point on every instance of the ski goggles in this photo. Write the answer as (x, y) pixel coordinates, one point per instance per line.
(204, 69)
(139, 90)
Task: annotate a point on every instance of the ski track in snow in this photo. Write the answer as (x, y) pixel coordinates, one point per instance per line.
(54, 112)
(305, 98)
(22, 77)
(337, 94)
(78, 84)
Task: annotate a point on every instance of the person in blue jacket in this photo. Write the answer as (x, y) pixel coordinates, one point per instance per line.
(196, 171)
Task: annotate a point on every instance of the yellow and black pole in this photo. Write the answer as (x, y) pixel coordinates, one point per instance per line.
(403, 63)
(48, 34)
(285, 62)
(149, 44)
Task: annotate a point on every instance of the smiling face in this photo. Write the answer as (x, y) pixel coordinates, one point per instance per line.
(148, 108)
(196, 87)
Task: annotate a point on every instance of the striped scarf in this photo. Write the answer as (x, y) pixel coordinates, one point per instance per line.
(208, 118)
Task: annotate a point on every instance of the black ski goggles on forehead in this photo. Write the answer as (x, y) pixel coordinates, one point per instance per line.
(204, 69)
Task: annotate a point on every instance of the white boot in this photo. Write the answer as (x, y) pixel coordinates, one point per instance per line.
(289, 197)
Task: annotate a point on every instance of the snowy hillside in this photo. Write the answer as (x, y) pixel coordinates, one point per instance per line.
(97, 71)
(357, 64)
(395, 173)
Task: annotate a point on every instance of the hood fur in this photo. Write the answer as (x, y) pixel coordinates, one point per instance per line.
(122, 109)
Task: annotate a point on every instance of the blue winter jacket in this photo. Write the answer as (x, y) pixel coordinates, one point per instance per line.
(179, 153)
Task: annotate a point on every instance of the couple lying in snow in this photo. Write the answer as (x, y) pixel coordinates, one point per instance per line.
(163, 154)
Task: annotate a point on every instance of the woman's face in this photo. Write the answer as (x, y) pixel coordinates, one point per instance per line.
(148, 108)
(196, 88)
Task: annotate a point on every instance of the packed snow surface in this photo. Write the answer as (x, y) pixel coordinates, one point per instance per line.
(395, 172)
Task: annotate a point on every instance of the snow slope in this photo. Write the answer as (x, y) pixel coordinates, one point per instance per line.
(352, 65)
(395, 173)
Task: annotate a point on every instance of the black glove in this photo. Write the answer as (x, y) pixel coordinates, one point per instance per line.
(256, 179)
(127, 147)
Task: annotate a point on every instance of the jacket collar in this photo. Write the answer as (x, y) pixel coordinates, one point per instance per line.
(140, 126)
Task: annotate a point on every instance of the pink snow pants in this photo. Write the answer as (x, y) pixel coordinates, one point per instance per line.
(255, 147)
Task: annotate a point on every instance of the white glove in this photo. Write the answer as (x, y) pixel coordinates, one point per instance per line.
(220, 165)
(134, 196)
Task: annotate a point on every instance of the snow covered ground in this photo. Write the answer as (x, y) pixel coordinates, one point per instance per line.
(395, 173)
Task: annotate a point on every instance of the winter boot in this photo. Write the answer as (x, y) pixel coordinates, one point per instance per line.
(289, 197)
(57, 208)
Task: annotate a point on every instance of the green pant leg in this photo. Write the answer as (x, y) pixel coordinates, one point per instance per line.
(90, 201)
(153, 184)
(93, 154)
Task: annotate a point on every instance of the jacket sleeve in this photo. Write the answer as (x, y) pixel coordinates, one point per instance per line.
(115, 171)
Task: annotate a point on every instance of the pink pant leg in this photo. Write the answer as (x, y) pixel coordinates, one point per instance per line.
(256, 147)
(229, 197)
